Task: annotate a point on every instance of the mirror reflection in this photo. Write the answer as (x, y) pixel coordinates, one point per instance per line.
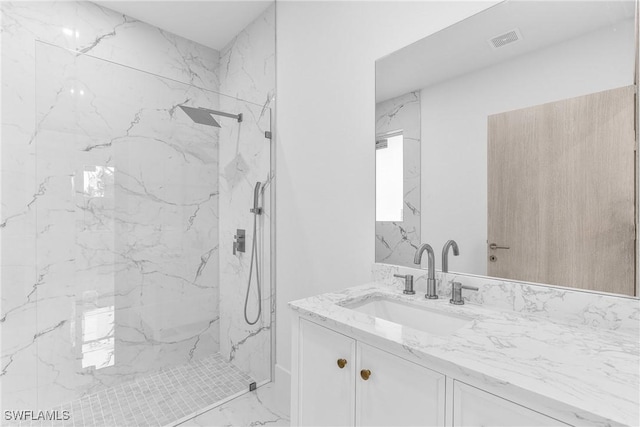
(519, 144)
(398, 178)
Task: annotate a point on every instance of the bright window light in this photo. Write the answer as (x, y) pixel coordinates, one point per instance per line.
(98, 180)
(98, 333)
(390, 180)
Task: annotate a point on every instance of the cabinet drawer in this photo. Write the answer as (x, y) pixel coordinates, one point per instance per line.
(326, 391)
(475, 407)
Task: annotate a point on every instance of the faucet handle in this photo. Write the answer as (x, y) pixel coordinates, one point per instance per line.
(456, 292)
(408, 283)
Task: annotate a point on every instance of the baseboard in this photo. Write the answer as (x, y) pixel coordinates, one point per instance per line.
(283, 390)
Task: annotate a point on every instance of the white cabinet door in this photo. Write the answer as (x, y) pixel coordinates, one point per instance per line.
(326, 391)
(475, 407)
(398, 392)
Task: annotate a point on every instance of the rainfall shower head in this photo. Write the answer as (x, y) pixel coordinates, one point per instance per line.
(203, 115)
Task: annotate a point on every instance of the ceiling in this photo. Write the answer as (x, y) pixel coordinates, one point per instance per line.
(211, 23)
(464, 47)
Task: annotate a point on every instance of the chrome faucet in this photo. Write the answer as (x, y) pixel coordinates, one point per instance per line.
(431, 278)
(445, 254)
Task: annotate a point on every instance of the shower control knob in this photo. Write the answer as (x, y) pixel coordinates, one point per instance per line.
(342, 363)
(239, 241)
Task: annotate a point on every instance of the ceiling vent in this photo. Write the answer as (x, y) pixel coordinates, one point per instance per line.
(510, 37)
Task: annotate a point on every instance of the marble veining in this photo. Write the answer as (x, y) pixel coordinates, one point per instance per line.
(253, 409)
(247, 71)
(580, 375)
(397, 241)
(247, 64)
(598, 310)
(123, 250)
(109, 268)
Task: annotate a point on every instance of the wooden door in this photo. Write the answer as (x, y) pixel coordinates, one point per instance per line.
(398, 392)
(326, 391)
(561, 192)
(475, 407)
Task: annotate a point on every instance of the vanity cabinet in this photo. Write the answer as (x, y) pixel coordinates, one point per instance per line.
(327, 376)
(341, 382)
(475, 407)
(398, 392)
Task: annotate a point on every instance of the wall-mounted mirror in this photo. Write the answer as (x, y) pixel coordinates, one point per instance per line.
(516, 129)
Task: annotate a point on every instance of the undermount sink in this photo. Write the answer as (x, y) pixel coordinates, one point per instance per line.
(421, 318)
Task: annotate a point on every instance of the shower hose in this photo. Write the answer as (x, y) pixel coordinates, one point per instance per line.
(254, 255)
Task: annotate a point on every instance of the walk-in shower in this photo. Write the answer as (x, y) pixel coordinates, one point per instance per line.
(122, 301)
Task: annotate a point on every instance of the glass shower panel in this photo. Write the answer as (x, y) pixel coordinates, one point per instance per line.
(129, 219)
(244, 161)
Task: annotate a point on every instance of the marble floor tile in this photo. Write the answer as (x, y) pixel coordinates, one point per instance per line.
(251, 409)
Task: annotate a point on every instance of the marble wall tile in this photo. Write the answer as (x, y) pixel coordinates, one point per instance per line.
(88, 28)
(247, 64)
(591, 309)
(142, 174)
(397, 241)
(109, 267)
(245, 345)
(248, 72)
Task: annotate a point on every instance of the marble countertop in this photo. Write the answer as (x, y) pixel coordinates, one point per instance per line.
(578, 374)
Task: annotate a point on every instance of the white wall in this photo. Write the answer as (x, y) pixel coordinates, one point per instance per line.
(454, 128)
(325, 153)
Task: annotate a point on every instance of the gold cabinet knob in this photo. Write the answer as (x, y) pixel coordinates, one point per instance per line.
(342, 363)
(365, 374)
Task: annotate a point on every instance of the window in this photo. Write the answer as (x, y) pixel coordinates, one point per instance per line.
(389, 178)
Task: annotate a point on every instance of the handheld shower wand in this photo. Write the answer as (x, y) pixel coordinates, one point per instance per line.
(256, 196)
(256, 210)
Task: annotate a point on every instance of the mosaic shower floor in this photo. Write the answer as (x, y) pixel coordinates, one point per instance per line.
(161, 399)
